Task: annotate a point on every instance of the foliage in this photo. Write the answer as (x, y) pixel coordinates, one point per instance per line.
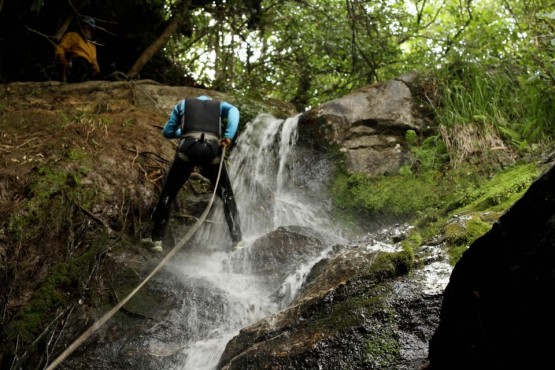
(397, 196)
(497, 101)
(499, 193)
(307, 52)
(345, 45)
(490, 85)
(432, 199)
(546, 38)
(430, 153)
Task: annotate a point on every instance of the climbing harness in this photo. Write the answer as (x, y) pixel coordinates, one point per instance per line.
(108, 315)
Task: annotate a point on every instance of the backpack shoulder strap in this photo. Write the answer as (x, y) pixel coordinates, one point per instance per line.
(182, 115)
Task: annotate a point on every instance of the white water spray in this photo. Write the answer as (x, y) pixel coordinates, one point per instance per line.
(222, 296)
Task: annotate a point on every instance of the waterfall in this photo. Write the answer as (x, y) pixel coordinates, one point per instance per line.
(268, 186)
(274, 186)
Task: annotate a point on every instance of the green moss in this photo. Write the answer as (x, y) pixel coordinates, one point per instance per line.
(383, 348)
(480, 200)
(77, 154)
(46, 223)
(49, 181)
(386, 195)
(503, 189)
(460, 235)
(431, 199)
(351, 312)
(348, 314)
(52, 198)
(412, 241)
(391, 265)
(483, 203)
(64, 283)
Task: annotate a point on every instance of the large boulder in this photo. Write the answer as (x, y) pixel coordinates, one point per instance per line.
(356, 310)
(279, 253)
(497, 310)
(368, 125)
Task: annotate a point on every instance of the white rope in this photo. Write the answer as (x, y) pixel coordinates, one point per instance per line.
(108, 315)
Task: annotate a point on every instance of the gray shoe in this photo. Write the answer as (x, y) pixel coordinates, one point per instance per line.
(153, 245)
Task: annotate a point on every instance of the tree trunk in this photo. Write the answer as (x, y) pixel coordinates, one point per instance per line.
(157, 45)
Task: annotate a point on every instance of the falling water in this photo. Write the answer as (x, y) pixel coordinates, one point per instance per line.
(276, 183)
(221, 295)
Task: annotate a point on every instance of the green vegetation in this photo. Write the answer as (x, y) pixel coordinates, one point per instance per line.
(459, 235)
(431, 200)
(390, 265)
(382, 269)
(487, 83)
(383, 347)
(499, 102)
(369, 306)
(469, 165)
(501, 191)
(49, 228)
(255, 49)
(50, 183)
(396, 195)
(65, 282)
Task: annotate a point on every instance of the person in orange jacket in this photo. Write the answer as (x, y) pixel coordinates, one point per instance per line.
(76, 53)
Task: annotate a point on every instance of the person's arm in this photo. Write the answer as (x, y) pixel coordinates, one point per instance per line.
(232, 114)
(172, 129)
(63, 46)
(95, 66)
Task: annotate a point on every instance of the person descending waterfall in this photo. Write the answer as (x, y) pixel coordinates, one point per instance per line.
(198, 122)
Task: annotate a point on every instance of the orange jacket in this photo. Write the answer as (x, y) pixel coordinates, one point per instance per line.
(73, 45)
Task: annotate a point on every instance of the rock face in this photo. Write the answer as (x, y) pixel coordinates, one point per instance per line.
(276, 255)
(498, 308)
(369, 126)
(356, 310)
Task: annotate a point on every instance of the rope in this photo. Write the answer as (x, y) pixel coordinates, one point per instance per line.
(108, 315)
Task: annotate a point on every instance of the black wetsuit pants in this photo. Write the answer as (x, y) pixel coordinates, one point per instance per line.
(80, 71)
(178, 174)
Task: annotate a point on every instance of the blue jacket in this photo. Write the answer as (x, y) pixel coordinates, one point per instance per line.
(172, 129)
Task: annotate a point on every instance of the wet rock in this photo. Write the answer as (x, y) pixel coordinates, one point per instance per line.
(347, 315)
(153, 328)
(498, 307)
(368, 125)
(278, 253)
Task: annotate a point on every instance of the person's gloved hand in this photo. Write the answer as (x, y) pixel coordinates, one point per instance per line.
(225, 143)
